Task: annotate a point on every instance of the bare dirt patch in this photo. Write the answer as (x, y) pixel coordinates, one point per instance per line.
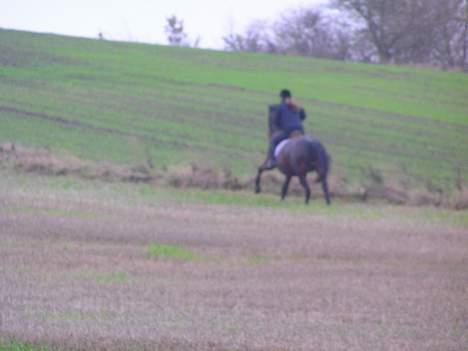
(270, 280)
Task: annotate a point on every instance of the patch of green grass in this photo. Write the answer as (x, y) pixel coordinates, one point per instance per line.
(117, 277)
(258, 259)
(78, 316)
(123, 194)
(55, 212)
(13, 345)
(66, 183)
(155, 250)
(241, 198)
(112, 278)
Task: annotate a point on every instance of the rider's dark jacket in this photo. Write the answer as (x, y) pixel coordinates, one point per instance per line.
(289, 119)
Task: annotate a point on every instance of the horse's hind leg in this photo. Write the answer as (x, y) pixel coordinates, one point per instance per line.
(326, 193)
(284, 190)
(305, 185)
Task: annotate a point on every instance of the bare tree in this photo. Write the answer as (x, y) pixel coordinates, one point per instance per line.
(449, 33)
(175, 31)
(386, 22)
(410, 31)
(302, 32)
(465, 37)
(385, 31)
(176, 35)
(257, 38)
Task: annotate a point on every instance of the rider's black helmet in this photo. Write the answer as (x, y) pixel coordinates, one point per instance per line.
(285, 93)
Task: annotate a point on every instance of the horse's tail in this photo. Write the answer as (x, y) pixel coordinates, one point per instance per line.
(323, 164)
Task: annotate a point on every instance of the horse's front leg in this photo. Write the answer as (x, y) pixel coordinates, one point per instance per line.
(258, 179)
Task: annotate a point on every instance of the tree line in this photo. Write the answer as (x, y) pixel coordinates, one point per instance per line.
(427, 32)
(382, 31)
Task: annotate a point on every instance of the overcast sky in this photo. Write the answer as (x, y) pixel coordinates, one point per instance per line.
(140, 20)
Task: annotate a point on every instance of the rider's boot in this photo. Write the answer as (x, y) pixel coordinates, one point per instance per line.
(271, 160)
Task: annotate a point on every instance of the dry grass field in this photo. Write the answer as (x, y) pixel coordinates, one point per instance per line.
(97, 266)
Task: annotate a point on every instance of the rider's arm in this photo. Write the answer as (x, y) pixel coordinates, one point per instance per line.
(302, 114)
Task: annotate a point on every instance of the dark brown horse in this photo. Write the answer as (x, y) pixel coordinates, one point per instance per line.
(300, 155)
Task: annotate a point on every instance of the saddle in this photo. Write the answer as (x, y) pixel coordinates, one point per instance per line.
(280, 147)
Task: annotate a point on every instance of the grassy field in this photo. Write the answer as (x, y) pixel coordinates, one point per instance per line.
(140, 104)
(91, 265)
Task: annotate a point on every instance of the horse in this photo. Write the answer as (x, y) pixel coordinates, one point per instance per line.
(297, 156)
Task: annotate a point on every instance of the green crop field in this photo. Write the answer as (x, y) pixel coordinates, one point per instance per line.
(133, 103)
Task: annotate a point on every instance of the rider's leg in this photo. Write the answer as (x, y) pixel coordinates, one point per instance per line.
(271, 151)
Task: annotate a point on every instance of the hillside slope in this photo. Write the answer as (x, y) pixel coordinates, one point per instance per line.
(134, 104)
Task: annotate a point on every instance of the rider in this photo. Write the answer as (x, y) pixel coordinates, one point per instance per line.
(288, 119)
